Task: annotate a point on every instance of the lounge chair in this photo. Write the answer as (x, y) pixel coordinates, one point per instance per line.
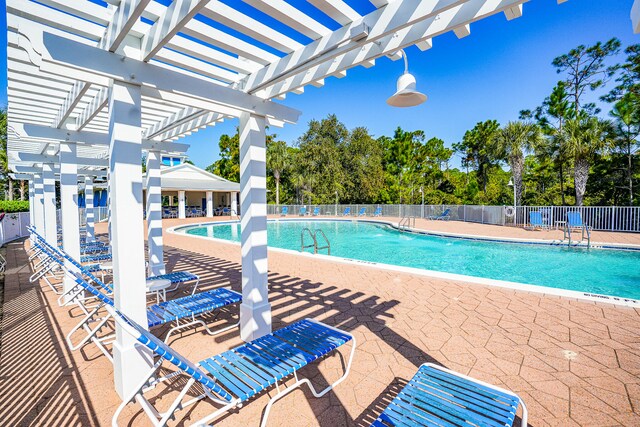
(444, 216)
(363, 212)
(536, 221)
(437, 396)
(347, 211)
(316, 211)
(303, 211)
(177, 278)
(574, 222)
(86, 292)
(378, 211)
(284, 211)
(226, 211)
(232, 378)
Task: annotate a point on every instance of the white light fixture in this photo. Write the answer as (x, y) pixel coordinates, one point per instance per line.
(406, 94)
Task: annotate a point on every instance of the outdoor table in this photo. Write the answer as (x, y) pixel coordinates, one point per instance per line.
(159, 286)
(560, 223)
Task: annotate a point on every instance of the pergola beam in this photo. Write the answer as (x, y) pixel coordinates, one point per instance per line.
(52, 135)
(384, 24)
(44, 158)
(174, 18)
(97, 104)
(67, 57)
(388, 40)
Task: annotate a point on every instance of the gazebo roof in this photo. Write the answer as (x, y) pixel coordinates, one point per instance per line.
(188, 177)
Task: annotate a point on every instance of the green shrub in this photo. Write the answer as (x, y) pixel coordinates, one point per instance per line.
(10, 206)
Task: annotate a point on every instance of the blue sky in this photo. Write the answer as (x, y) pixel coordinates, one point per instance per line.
(500, 69)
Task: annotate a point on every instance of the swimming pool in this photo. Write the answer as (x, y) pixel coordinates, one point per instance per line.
(596, 271)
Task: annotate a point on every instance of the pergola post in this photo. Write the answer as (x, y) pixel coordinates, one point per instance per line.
(154, 214)
(255, 310)
(209, 204)
(181, 204)
(32, 203)
(69, 206)
(127, 235)
(38, 205)
(50, 214)
(88, 209)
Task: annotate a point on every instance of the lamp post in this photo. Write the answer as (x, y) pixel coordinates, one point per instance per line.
(336, 203)
(512, 184)
(422, 192)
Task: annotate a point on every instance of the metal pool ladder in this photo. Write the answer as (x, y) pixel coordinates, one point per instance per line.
(407, 223)
(314, 240)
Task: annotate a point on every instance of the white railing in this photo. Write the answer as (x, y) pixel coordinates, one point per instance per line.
(603, 218)
(14, 226)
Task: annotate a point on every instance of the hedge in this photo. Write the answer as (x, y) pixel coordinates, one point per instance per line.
(10, 206)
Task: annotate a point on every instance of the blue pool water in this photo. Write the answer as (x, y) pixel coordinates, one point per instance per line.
(599, 271)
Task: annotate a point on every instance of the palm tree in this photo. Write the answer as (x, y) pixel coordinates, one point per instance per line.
(583, 139)
(627, 114)
(511, 143)
(277, 162)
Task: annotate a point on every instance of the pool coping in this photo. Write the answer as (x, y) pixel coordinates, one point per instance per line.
(545, 290)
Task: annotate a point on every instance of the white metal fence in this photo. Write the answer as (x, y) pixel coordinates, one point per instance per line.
(604, 218)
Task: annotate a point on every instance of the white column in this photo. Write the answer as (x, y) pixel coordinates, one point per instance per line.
(255, 310)
(234, 202)
(32, 203)
(181, 204)
(38, 203)
(88, 209)
(50, 214)
(69, 206)
(209, 204)
(130, 362)
(154, 214)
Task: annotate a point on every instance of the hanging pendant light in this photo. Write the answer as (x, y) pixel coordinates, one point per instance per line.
(406, 94)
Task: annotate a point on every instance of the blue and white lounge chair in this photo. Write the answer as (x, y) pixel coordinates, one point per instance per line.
(182, 312)
(284, 211)
(574, 222)
(303, 211)
(232, 378)
(378, 211)
(95, 258)
(316, 211)
(444, 216)
(347, 211)
(226, 211)
(536, 221)
(177, 278)
(363, 212)
(437, 396)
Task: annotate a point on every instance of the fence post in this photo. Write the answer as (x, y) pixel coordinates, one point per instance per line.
(613, 217)
(482, 215)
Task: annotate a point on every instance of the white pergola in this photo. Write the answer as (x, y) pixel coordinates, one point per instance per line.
(91, 87)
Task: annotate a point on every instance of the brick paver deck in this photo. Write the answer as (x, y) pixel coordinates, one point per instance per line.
(573, 362)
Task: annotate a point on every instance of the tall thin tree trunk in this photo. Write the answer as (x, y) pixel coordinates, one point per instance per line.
(517, 166)
(581, 174)
(10, 189)
(22, 190)
(277, 191)
(562, 184)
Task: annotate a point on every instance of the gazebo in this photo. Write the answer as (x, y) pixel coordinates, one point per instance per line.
(190, 189)
(94, 86)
